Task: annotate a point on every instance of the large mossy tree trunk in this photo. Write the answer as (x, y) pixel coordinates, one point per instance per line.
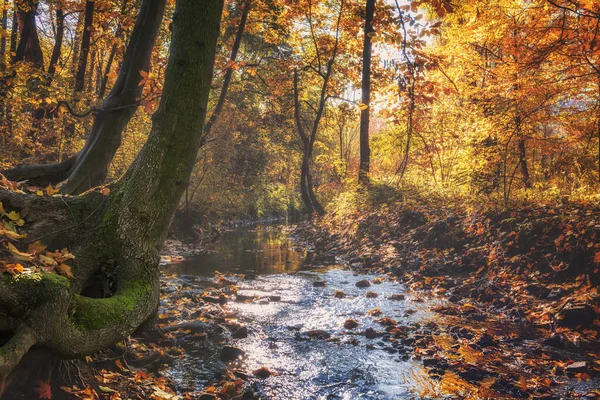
(118, 235)
(89, 167)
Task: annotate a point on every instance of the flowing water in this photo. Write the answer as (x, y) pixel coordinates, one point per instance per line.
(347, 366)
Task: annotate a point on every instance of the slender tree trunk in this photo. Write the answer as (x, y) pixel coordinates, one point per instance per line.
(131, 223)
(89, 167)
(111, 56)
(88, 20)
(109, 62)
(3, 40)
(56, 51)
(365, 151)
(13, 33)
(522, 154)
(311, 192)
(245, 8)
(90, 75)
(304, 193)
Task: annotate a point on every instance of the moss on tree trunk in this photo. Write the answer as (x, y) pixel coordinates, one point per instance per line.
(119, 235)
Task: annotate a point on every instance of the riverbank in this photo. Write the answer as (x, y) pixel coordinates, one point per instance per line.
(522, 312)
(340, 311)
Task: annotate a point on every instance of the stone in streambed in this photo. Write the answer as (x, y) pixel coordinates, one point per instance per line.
(430, 361)
(363, 284)
(318, 334)
(338, 294)
(577, 367)
(577, 315)
(240, 333)
(351, 324)
(230, 353)
(371, 295)
(370, 333)
(397, 297)
(319, 284)
(194, 326)
(263, 373)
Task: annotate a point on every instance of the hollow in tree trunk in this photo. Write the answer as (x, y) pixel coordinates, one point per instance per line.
(121, 234)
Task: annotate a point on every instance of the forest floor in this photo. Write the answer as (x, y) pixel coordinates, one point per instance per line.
(521, 316)
(519, 309)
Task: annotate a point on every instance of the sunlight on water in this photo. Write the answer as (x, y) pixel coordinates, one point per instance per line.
(347, 366)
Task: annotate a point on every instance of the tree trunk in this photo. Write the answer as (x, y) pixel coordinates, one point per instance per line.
(245, 8)
(13, 33)
(88, 20)
(123, 233)
(365, 151)
(109, 62)
(56, 51)
(304, 193)
(89, 167)
(111, 56)
(3, 40)
(29, 49)
(522, 154)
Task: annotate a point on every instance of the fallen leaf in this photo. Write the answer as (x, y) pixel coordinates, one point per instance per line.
(65, 270)
(19, 255)
(43, 390)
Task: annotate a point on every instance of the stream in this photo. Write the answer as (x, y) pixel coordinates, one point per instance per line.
(288, 303)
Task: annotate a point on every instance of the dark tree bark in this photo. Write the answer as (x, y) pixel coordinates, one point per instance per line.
(107, 69)
(3, 40)
(365, 151)
(245, 7)
(88, 20)
(13, 33)
(111, 56)
(120, 234)
(29, 49)
(522, 154)
(308, 195)
(89, 167)
(56, 51)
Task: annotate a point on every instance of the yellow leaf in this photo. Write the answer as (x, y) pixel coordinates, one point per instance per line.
(48, 260)
(13, 216)
(19, 255)
(363, 106)
(106, 389)
(12, 234)
(50, 190)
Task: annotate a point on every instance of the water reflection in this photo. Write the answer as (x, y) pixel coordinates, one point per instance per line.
(258, 251)
(349, 366)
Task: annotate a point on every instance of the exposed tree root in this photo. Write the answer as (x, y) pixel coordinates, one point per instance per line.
(42, 174)
(13, 351)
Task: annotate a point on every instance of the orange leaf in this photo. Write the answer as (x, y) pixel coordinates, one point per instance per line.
(64, 270)
(597, 258)
(44, 390)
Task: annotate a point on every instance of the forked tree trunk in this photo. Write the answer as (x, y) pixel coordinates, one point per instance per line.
(89, 167)
(120, 234)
